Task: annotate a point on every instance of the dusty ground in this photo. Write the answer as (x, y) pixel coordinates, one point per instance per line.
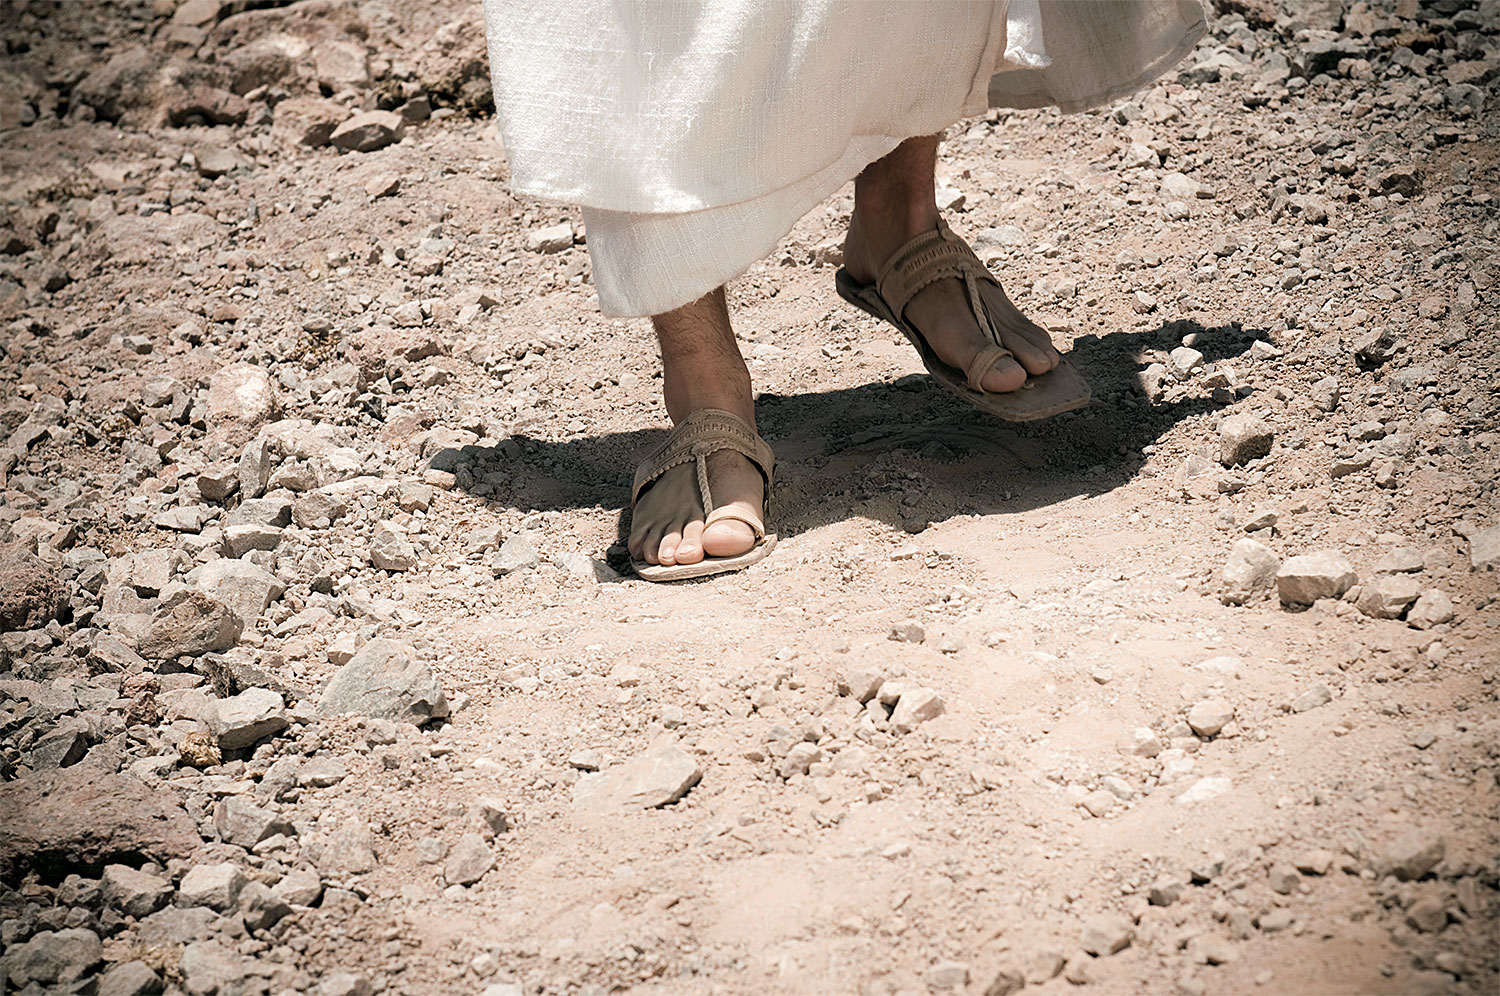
(1223, 244)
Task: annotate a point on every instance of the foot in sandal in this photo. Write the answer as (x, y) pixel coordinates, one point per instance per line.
(671, 535)
(894, 203)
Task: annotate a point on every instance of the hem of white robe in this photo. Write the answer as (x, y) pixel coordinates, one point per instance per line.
(743, 233)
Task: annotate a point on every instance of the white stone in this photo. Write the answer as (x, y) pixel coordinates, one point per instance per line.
(1305, 579)
(1202, 790)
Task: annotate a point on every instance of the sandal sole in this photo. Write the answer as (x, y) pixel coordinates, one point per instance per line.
(707, 566)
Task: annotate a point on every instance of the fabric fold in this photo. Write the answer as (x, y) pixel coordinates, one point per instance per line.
(695, 133)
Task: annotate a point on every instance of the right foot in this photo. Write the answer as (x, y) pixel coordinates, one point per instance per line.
(942, 312)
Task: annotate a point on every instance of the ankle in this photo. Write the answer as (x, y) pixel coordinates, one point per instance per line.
(687, 391)
(884, 223)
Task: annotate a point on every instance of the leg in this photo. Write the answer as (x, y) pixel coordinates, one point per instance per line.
(894, 200)
(701, 368)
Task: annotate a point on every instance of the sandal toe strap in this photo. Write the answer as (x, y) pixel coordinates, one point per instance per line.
(703, 433)
(984, 361)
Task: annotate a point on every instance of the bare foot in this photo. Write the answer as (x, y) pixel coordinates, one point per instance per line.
(667, 524)
(701, 368)
(894, 203)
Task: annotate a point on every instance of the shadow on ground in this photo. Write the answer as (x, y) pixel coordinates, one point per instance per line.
(906, 452)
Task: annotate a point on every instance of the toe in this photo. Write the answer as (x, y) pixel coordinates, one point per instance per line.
(690, 549)
(1033, 349)
(1029, 342)
(1005, 375)
(666, 553)
(728, 538)
(648, 547)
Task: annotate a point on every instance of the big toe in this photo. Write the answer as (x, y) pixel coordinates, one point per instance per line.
(1005, 375)
(727, 538)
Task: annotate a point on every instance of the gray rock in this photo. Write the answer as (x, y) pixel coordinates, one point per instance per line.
(1202, 790)
(516, 554)
(1210, 716)
(910, 631)
(468, 861)
(1377, 345)
(66, 744)
(553, 238)
(82, 816)
(260, 906)
(1317, 695)
(218, 481)
(860, 685)
(1387, 596)
(182, 519)
(801, 757)
(916, 706)
(349, 850)
(1244, 437)
(368, 131)
(272, 510)
(383, 681)
(584, 567)
(1428, 916)
(134, 893)
(299, 887)
(177, 925)
(189, 624)
(1184, 361)
(947, 975)
(254, 468)
(209, 967)
(241, 399)
(1165, 890)
(246, 589)
(149, 571)
(32, 594)
(660, 776)
(1412, 855)
(129, 978)
(244, 824)
(1305, 579)
(54, 957)
(1179, 187)
(1402, 560)
(1325, 393)
(1099, 803)
(215, 886)
(1006, 980)
(344, 984)
(1106, 934)
(244, 719)
(1484, 549)
(1432, 608)
(494, 813)
(240, 540)
(321, 771)
(390, 550)
(320, 509)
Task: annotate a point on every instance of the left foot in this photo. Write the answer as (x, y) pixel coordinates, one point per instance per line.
(941, 311)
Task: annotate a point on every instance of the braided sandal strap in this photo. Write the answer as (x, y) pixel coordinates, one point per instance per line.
(941, 255)
(697, 437)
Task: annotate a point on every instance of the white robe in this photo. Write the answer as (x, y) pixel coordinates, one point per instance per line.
(696, 134)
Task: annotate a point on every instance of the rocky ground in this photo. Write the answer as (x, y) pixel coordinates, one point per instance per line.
(323, 670)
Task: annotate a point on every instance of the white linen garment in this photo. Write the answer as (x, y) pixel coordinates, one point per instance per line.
(695, 133)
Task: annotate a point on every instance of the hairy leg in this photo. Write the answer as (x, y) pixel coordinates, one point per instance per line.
(701, 368)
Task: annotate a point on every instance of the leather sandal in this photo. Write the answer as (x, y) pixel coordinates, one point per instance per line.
(703, 433)
(939, 255)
